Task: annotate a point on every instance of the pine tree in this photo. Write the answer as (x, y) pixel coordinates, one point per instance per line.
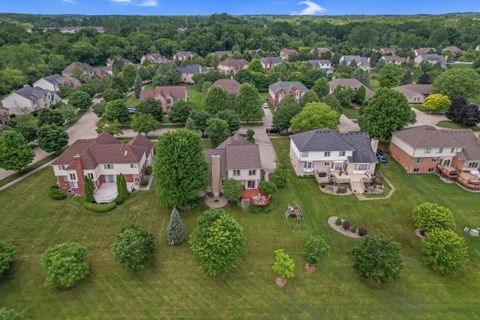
(176, 232)
(137, 86)
(122, 186)
(89, 190)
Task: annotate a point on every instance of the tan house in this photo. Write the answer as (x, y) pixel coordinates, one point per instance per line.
(154, 58)
(268, 63)
(352, 83)
(237, 159)
(165, 95)
(121, 62)
(421, 51)
(415, 93)
(187, 72)
(232, 66)
(286, 53)
(421, 149)
(388, 51)
(87, 71)
(232, 86)
(55, 81)
(329, 155)
(4, 116)
(102, 159)
(28, 98)
(455, 51)
(320, 52)
(433, 59)
(280, 89)
(183, 56)
(393, 59)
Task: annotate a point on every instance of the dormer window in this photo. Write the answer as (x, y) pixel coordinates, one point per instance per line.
(327, 153)
(61, 167)
(440, 150)
(452, 150)
(108, 166)
(304, 154)
(341, 153)
(428, 150)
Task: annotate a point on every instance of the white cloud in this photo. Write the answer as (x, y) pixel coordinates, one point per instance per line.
(148, 3)
(140, 3)
(69, 1)
(311, 9)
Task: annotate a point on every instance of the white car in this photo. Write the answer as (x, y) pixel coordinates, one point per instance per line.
(265, 105)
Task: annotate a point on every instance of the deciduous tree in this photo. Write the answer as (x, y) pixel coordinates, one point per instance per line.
(232, 119)
(180, 112)
(15, 153)
(198, 120)
(390, 75)
(287, 109)
(232, 189)
(134, 247)
(80, 99)
(315, 250)
(431, 216)
(52, 138)
(458, 82)
(117, 110)
(437, 102)
(144, 123)
(153, 107)
(7, 254)
(248, 103)
(315, 115)
(217, 100)
(50, 116)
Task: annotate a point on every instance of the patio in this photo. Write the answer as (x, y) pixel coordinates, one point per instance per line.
(106, 193)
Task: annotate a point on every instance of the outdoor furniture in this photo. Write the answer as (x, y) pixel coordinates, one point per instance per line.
(294, 211)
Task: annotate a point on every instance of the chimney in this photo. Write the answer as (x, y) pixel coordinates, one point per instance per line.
(79, 172)
(374, 144)
(216, 179)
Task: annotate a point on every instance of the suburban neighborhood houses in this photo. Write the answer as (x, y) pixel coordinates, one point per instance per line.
(160, 161)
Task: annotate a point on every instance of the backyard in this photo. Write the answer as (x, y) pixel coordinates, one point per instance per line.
(171, 286)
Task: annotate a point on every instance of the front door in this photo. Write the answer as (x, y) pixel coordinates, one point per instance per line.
(251, 184)
(110, 179)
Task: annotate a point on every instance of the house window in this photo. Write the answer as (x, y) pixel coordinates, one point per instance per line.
(430, 170)
(428, 150)
(326, 164)
(327, 153)
(90, 175)
(473, 165)
(417, 160)
(338, 166)
(307, 165)
(416, 170)
(304, 154)
(73, 184)
(108, 166)
(73, 177)
(440, 150)
(236, 173)
(342, 154)
(251, 184)
(133, 165)
(362, 166)
(169, 101)
(252, 172)
(452, 150)
(61, 167)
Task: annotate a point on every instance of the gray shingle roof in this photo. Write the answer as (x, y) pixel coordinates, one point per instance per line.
(287, 86)
(32, 92)
(363, 61)
(192, 69)
(328, 140)
(272, 60)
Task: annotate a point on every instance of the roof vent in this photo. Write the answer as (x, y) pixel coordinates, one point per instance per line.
(125, 153)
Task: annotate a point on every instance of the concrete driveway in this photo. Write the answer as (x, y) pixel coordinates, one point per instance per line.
(268, 156)
(424, 118)
(84, 128)
(347, 125)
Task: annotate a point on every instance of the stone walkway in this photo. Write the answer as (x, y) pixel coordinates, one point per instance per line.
(361, 197)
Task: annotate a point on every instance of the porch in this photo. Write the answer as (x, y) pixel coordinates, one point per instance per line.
(106, 193)
(468, 180)
(355, 180)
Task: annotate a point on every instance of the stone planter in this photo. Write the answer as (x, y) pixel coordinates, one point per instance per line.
(281, 282)
(420, 235)
(310, 268)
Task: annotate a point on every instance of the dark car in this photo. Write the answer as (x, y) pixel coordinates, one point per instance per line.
(381, 157)
(271, 130)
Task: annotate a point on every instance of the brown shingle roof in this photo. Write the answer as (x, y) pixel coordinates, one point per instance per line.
(177, 92)
(234, 63)
(232, 86)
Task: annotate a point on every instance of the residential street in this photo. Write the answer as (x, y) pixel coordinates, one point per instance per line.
(84, 128)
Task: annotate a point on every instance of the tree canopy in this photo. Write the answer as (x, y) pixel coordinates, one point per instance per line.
(15, 153)
(315, 115)
(458, 82)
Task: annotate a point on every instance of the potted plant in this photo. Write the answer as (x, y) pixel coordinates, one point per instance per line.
(314, 251)
(283, 266)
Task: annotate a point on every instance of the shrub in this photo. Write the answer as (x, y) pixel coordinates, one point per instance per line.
(379, 181)
(353, 228)
(250, 136)
(341, 190)
(268, 187)
(119, 200)
(133, 248)
(144, 182)
(430, 216)
(65, 264)
(284, 265)
(233, 189)
(445, 251)
(346, 225)
(378, 258)
(322, 185)
(7, 253)
(217, 242)
(100, 207)
(338, 221)
(315, 250)
(11, 314)
(89, 190)
(56, 193)
(122, 186)
(362, 231)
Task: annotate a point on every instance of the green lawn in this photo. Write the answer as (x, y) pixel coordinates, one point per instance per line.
(351, 113)
(460, 66)
(131, 100)
(172, 286)
(453, 125)
(195, 96)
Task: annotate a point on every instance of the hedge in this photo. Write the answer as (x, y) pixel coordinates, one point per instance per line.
(103, 207)
(56, 194)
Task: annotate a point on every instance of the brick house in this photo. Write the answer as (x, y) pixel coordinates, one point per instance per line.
(278, 90)
(187, 72)
(286, 53)
(165, 95)
(87, 71)
(232, 66)
(268, 63)
(102, 159)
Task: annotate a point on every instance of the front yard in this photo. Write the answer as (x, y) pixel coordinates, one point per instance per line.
(172, 286)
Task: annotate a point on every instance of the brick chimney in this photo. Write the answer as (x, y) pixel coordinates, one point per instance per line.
(80, 178)
(374, 144)
(216, 179)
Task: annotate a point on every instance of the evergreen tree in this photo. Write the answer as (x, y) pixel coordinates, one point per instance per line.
(122, 186)
(176, 233)
(89, 190)
(137, 86)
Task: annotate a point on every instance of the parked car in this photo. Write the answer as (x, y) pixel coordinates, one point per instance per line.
(271, 130)
(131, 109)
(265, 105)
(381, 157)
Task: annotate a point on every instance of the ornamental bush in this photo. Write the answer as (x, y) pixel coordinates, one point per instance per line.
(100, 207)
(430, 216)
(378, 258)
(338, 221)
(445, 251)
(217, 242)
(232, 189)
(7, 253)
(56, 193)
(362, 231)
(133, 248)
(315, 250)
(284, 266)
(65, 264)
(346, 225)
(268, 187)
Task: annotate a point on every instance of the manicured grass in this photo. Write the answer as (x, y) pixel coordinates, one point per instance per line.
(28, 169)
(171, 286)
(131, 100)
(460, 66)
(351, 113)
(195, 96)
(374, 84)
(453, 125)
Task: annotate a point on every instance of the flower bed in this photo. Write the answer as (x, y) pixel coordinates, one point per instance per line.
(346, 228)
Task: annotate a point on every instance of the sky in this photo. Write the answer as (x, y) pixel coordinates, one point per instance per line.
(237, 7)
